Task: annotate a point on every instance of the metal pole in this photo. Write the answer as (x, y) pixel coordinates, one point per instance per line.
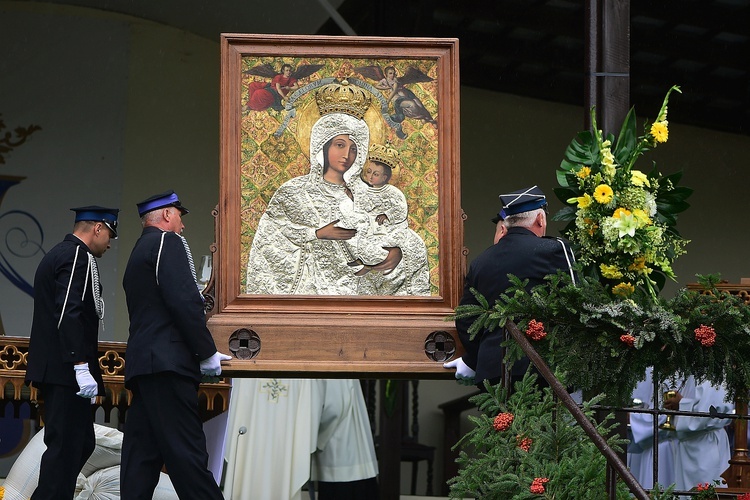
(562, 393)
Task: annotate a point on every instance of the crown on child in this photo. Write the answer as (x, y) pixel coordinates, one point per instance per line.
(385, 154)
(343, 98)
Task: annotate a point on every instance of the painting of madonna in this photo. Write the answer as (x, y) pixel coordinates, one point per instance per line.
(306, 242)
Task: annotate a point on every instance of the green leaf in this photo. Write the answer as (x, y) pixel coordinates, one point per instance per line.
(583, 149)
(565, 214)
(627, 140)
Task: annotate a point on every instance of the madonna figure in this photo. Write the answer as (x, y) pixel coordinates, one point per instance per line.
(299, 247)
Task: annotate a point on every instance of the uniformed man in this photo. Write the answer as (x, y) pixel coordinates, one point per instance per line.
(500, 228)
(169, 349)
(524, 252)
(63, 361)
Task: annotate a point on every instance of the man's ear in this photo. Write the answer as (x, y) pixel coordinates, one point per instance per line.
(540, 219)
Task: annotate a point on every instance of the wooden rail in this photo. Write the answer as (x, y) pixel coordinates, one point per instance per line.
(213, 396)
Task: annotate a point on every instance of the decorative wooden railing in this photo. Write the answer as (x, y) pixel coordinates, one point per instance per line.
(213, 397)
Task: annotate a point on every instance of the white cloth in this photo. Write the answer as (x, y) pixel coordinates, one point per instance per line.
(283, 423)
(702, 447)
(345, 450)
(270, 460)
(697, 452)
(215, 430)
(641, 450)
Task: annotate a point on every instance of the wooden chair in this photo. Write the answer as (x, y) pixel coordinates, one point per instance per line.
(404, 442)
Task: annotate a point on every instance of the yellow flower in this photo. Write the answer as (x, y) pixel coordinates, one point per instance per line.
(610, 272)
(592, 225)
(583, 172)
(638, 178)
(608, 158)
(660, 131)
(623, 289)
(639, 264)
(642, 217)
(603, 194)
(620, 212)
(583, 201)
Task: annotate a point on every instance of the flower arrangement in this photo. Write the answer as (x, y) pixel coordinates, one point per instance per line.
(602, 333)
(621, 221)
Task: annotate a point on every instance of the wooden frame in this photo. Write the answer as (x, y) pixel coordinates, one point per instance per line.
(334, 335)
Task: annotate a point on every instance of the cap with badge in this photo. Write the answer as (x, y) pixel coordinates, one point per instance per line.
(161, 200)
(523, 200)
(107, 216)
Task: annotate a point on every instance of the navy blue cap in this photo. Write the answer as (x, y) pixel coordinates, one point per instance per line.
(161, 200)
(523, 200)
(500, 216)
(98, 214)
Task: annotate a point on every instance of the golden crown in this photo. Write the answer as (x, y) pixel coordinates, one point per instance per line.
(385, 154)
(343, 98)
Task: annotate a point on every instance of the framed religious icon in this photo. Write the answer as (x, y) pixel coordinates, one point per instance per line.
(339, 227)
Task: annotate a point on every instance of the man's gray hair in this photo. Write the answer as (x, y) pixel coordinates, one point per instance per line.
(524, 219)
(151, 218)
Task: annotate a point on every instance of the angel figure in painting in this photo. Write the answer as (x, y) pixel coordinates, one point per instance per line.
(263, 95)
(405, 103)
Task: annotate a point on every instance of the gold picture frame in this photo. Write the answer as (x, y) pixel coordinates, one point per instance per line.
(269, 87)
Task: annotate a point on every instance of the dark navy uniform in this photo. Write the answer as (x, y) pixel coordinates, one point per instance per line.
(168, 338)
(65, 333)
(525, 255)
(53, 350)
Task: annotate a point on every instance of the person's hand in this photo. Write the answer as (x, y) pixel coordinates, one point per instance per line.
(331, 232)
(211, 367)
(389, 264)
(464, 374)
(86, 383)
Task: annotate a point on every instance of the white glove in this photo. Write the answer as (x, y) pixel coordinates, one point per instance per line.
(211, 367)
(464, 374)
(86, 382)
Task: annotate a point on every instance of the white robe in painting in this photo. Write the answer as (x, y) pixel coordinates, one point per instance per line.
(286, 257)
(412, 275)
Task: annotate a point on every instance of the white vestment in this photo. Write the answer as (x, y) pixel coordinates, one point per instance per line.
(282, 431)
(697, 452)
(641, 450)
(702, 447)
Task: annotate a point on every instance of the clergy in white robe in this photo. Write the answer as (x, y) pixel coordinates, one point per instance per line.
(702, 450)
(641, 450)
